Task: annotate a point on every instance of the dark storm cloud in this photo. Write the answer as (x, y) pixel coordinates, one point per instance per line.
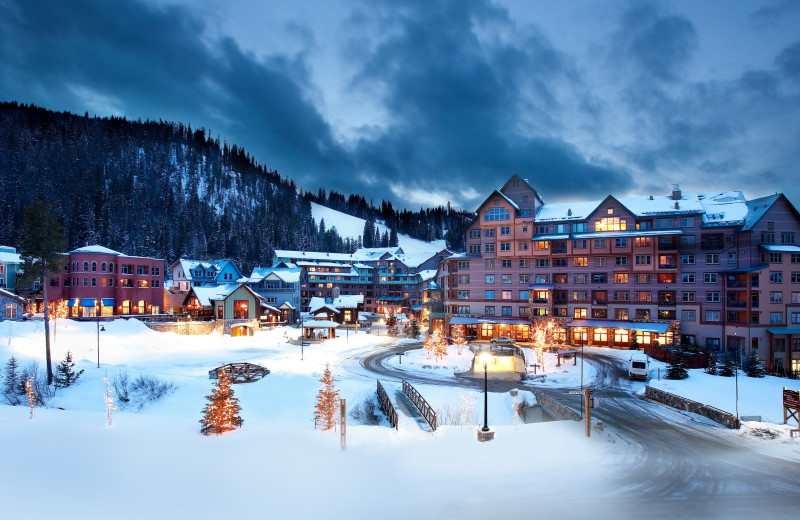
(764, 17)
(472, 99)
(788, 61)
(142, 61)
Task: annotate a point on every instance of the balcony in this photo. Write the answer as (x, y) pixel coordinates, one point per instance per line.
(666, 303)
(539, 301)
(600, 301)
(734, 304)
(666, 265)
(561, 301)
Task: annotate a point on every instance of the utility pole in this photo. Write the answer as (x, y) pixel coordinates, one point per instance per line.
(587, 400)
(343, 422)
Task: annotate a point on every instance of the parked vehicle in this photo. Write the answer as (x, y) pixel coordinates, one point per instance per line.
(639, 366)
(502, 340)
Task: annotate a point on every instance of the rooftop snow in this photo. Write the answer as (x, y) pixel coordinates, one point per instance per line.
(96, 249)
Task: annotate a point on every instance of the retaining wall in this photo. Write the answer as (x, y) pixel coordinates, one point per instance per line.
(681, 403)
(554, 408)
(187, 328)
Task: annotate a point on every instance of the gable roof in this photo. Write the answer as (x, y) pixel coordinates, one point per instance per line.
(516, 177)
(205, 295)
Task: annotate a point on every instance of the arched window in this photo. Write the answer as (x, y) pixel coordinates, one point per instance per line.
(103, 267)
(85, 266)
(94, 267)
(111, 267)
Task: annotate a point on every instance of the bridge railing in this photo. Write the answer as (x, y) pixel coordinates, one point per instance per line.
(386, 406)
(421, 404)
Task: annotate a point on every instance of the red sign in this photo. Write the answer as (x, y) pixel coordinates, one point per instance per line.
(791, 398)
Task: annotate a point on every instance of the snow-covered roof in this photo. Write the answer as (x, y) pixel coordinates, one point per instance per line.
(427, 274)
(323, 264)
(9, 294)
(756, 209)
(216, 292)
(374, 253)
(96, 249)
(340, 302)
(287, 275)
(311, 255)
(10, 258)
(319, 324)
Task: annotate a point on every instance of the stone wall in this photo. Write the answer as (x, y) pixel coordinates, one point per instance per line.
(681, 403)
(554, 408)
(187, 328)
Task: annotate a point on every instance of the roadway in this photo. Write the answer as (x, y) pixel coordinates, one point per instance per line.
(671, 458)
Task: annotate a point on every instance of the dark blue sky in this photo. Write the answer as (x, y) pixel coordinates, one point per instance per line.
(427, 101)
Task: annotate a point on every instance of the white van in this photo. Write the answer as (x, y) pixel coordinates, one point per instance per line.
(639, 366)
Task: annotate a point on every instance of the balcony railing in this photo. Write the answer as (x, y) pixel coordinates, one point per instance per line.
(737, 304)
(735, 284)
(668, 266)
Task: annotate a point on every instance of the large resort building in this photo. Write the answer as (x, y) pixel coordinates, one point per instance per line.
(708, 268)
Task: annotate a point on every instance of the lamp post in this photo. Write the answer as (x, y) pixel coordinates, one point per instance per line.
(485, 359)
(736, 373)
(98, 340)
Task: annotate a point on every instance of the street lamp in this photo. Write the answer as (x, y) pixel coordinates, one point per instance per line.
(99, 329)
(485, 360)
(736, 373)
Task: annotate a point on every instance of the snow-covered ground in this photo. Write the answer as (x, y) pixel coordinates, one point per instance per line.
(154, 462)
(353, 227)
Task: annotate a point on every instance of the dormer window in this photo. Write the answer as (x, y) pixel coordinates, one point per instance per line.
(610, 211)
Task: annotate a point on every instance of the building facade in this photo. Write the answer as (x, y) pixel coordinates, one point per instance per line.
(710, 268)
(9, 263)
(280, 288)
(97, 281)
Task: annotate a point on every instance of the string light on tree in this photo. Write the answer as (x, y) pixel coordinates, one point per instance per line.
(31, 395)
(221, 414)
(327, 402)
(109, 400)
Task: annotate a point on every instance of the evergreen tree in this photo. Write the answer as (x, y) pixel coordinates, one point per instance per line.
(458, 338)
(65, 372)
(677, 365)
(428, 343)
(42, 243)
(728, 366)
(327, 402)
(634, 341)
(414, 329)
(368, 235)
(439, 344)
(753, 366)
(711, 366)
(394, 241)
(221, 414)
(11, 383)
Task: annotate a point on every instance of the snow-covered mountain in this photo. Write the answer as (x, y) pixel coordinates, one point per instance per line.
(348, 226)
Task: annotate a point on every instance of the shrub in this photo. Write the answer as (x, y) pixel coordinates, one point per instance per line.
(143, 390)
(364, 412)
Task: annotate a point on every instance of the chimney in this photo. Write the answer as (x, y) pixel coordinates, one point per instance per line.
(676, 191)
(569, 212)
(336, 292)
(677, 205)
(651, 197)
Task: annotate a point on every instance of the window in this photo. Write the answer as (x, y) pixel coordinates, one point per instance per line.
(94, 267)
(688, 241)
(523, 295)
(688, 297)
(643, 242)
(599, 278)
(599, 313)
(710, 278)
(687, 259)
(463, 264)
(524, 278)
(524, 262)
(621, 260)
(542, 278)
(506, 264)
(642, 278)
(496, 214)
(796, 258)
(776, 297)
(463, 295)
(580, 296)
(488, 263)
(505, 230)
(621, 242)
(712, 297)
(795, 297)
(579, 244)
(767, 237)
(580, 227)
(542, 262)
(489, 310)
(505, 295)
(712, 315)
(599, 261)
(776, 318)
(86, 282)
(731, 258)
(688, 315)
(580, 278)
(795, 317)
(599, 243)
(94, 282)
(620, 277)
(787, 238)
(462, 309)
(642, 296)
(11, 311)
(489, 247)
(580, 261)
(642, 314)
(620, 314)
(666, 262)
(622, 296)
(775, 277)
(579, 313)
(542, 229)
(687, 277)
(506, 311)
(85, 266)
(505, 246)
(775, 258)
(474, 233)
(489, 278)
(522, 245)
(611, 224)
(475, 249)
(643, 259)
(664, 223)
(687, 221)
(463, 279)
(559, 262)
(505, 278)
(712, 258)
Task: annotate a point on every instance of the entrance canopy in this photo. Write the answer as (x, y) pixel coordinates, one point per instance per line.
(659, 328)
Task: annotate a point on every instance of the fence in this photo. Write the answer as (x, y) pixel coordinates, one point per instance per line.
(554, 408)
(386, 406)
(421, 404)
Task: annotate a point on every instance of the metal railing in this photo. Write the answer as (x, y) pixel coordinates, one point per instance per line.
(421, 404)
(387, 407)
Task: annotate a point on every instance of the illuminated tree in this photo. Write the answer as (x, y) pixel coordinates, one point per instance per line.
(543, 331)
(414, 329)
(439, 344)
(221, 414)
(31, 395)
(109, 400)
(458, 339)
(428, 343)
(327, 402)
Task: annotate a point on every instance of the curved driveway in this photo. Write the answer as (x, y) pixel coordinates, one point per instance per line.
(675, 462)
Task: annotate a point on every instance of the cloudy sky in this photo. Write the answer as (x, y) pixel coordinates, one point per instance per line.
(425, 101)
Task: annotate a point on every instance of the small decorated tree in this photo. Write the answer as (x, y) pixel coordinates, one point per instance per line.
(414, 329)
(221, 414)
(109, 400)
(428, 343)
(439, 344)
(458, 338)
(327, 401)
(65, 372)
(31, 395)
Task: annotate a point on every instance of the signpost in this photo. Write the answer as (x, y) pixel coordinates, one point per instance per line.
(343, 422)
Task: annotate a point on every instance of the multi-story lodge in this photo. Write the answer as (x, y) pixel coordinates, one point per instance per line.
(10, 261)
(201, 273)
(390, 280)
(97, 281)
(280, 288)
(711, 268)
